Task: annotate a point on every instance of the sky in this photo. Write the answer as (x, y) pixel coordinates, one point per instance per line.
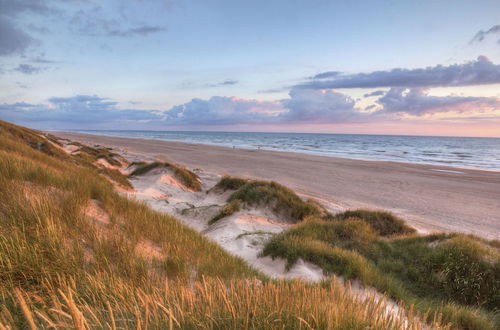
(369, 67)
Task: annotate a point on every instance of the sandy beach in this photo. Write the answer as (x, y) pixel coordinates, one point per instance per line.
(431, 198)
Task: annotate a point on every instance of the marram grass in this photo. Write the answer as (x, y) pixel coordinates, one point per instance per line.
(62, 267)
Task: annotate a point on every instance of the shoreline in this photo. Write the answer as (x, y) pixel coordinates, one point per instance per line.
(431, 197)
(443, 168)
(305, 152)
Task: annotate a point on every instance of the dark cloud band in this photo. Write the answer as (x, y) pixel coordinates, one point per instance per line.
(479, 72)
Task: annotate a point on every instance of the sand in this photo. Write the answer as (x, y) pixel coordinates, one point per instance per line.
(431, 198)
(243, 233)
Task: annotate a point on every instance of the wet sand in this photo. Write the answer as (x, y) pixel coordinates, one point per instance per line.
(431, 198)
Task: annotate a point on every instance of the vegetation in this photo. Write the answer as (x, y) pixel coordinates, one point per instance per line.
(384, 223)
(455, 275)
(188, 178)
(226, 210)
(229, 183)
(75, 254)
(282, 200)
(102, 153)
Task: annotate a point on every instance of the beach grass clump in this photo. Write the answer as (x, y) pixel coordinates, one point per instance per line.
(229, 183)
(283, 201)
(227, 210)
(102, 153)
(188, 178)
(455, 275)
(76, 254)
(384, 223)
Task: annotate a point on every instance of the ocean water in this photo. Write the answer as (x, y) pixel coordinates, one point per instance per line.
(462, 152)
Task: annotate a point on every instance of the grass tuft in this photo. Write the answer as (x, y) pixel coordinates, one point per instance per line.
(227, 210)
(280, 199)
(229, 183)
(384, 223)
(188, 178)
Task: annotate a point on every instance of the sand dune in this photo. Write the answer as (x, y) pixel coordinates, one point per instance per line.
(243, 233)
(430, 200)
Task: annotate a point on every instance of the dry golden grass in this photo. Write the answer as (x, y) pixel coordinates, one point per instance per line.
(61, 269)
(209, 303)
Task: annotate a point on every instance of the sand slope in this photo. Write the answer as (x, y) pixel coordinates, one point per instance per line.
(243, 233)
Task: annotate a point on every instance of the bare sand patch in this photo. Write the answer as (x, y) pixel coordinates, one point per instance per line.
(94, 210)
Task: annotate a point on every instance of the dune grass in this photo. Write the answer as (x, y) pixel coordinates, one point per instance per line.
(226, 211)
(102, 153)
(384, 223)
(229, 183)
(283, 201)
(208, 303)
(453, 274)
(63, 267)
(188, 178)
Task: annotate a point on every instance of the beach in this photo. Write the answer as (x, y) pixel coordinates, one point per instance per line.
(431, 198)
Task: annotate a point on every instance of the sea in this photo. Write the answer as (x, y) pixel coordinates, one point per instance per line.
(460, 152)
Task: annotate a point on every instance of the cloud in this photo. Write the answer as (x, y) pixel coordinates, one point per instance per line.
(28, 69)
(95, 23)
(13, 8)
(328, 74)
(42, 60)
(80, 111)
(143, 30)
(221, 110)
(479, 37)
(375, 93)
(12, 40)
(303, 106)
(228, 82)
(326, 106)
(417, 102)
(479, 72)
(90, 111)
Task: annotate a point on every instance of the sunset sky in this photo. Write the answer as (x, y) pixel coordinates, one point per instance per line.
(376, 67)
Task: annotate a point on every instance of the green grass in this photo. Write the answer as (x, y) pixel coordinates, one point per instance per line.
(453, 274)
(188, 178)
(384, 223)
(229, 183)
(59, 268)
(283, 201)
